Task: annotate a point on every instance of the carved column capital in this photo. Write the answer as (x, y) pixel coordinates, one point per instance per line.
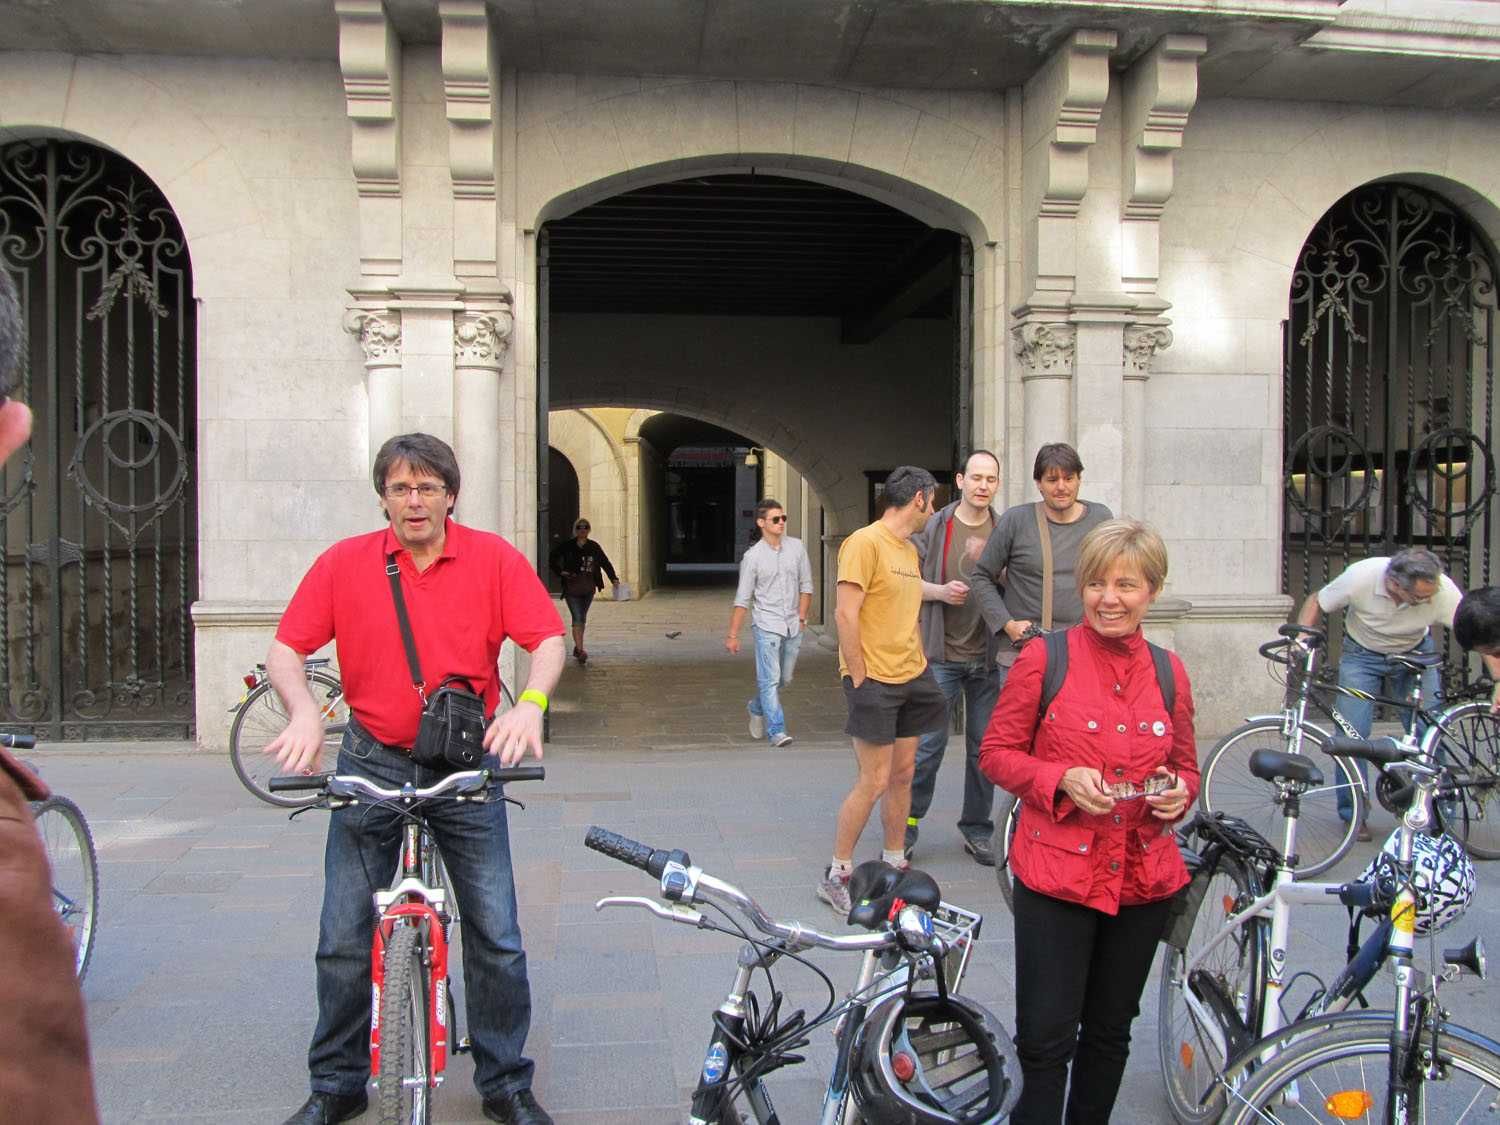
(379, 333)
(1046, 349)
(1142, 342)
(481, 338)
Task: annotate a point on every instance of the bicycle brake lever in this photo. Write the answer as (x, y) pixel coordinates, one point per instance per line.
(677, 913)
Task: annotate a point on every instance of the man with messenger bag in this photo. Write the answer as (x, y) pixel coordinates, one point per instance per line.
(418, 612)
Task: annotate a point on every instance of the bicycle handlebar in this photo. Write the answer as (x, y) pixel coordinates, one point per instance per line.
(463, 783)
(698, 885)
(18, 741)
(1382, 751)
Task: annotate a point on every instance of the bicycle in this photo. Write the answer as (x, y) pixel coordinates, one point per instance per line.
(941, 1064)
(259, 717)
(1224, 984)
(413, 1024)
(1408, 1064)
(69, 845)
(1326, 835)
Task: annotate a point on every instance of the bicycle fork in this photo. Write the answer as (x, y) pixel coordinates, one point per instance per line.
(722, 1059)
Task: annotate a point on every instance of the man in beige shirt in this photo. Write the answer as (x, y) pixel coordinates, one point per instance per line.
(891, 694)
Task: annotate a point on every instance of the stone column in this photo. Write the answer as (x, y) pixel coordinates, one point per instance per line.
(379, 331)
(1046, 350)
(1141, 342)
(831, 545)
(481, 336)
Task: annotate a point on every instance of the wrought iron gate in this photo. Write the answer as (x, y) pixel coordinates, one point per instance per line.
(98, 512)
(1389, 389)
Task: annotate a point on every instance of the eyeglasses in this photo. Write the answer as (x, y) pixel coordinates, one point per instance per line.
(776, 519)
(1153, 786)
(425, 491)
(582, 527)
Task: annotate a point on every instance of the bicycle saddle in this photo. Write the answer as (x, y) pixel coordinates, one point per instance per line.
(1415, 661)
(1274, 765)
(875, 886)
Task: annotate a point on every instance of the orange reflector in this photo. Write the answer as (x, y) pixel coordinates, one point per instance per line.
(903, 1066)
(1185, 1053)
(1228, 905)
(1346, 1105)
(249, 679)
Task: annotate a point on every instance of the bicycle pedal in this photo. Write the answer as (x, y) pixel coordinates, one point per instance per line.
(463, 1046)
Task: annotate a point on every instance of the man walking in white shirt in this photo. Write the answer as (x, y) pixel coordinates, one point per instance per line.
(776, 577)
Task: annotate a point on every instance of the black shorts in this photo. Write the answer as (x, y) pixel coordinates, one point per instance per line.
(578, 606)
(881, 713)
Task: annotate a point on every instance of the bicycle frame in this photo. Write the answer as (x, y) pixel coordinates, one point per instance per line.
(413, 901)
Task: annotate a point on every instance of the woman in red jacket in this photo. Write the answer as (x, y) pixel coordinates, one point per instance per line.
(1102, 776)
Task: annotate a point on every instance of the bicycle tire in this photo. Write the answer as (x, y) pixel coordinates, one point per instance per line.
(260, 718)
(1323, 838)
(403, 1033)
(1000, 843)
(1349, 1056)
(1189, 1063)
(1470, 747)
(75, 872)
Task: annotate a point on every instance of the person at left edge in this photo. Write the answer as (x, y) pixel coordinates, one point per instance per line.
(466, 591)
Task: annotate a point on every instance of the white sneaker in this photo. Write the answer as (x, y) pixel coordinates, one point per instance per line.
(780, 740)
(757, 726)
(834, 890)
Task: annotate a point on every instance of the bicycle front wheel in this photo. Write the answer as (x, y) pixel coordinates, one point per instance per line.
(1005, 835)
(75, 872)
(1228, 979)
(1323, 836)
(1341, 1073)
(405, 1089)
(1470, 748)
(261, 717)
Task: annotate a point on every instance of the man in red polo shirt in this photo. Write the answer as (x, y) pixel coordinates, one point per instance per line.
(465, 591)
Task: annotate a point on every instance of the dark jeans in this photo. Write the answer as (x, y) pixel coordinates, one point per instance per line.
(361, 856)
(981, 688)
(1079, 977)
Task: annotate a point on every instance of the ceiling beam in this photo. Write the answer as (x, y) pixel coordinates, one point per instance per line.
(912, 285)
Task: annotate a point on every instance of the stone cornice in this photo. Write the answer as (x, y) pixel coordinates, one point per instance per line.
(1314, 11)
(470, 87)
(1159, 93)
(1383, 35)
(369, 59)
(1230, 607)
(236, 614)
(1062, 106)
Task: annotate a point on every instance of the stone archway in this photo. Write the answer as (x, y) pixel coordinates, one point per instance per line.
(602, 484)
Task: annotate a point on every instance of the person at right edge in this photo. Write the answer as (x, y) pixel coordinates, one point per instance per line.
(1102, 773)
(44, 1044)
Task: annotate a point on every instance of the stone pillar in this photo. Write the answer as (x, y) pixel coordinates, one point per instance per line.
(1046, 350)
(1141, 342)
(481, 336)
(831, 545)
(379, 330)
(1098, 394)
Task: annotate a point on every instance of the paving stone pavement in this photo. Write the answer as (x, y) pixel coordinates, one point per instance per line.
(200, 991)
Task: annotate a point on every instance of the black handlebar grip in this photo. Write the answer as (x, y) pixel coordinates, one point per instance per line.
(298, 782)
(18, 741)
(1317, 636)
(620, 847)
(506, 774)
(1382, 751)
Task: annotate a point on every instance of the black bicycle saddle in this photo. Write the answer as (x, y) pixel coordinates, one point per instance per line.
(875, 886)
(1273, 765)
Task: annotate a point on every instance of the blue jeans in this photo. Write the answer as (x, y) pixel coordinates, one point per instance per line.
(775, 661)
(361, 855)
(1361, 668)
(980, 686)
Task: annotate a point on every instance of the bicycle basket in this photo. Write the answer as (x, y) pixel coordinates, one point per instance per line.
(921, 1059)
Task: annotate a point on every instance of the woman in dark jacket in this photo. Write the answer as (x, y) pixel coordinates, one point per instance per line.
(1102, 776)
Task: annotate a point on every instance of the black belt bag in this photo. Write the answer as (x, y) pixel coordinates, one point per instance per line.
(451, 733)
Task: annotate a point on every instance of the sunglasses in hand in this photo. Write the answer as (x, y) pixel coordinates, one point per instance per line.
(1153, 786)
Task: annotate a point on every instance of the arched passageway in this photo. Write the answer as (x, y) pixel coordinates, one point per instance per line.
(99, 517)
(564, 508)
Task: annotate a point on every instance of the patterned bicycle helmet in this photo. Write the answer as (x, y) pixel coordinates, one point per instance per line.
(1442, 873)
(924, 1059)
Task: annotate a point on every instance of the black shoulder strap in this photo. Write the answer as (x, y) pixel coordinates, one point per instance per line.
(1057, 671)
(393, 572)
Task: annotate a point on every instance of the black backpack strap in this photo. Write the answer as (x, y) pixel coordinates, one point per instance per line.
(1166, 680)
(1055, 670)
(393, 572)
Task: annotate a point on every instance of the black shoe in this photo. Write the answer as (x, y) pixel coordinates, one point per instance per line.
(326, 1109)
(518, 1108)
(980, 849)
(910, 841)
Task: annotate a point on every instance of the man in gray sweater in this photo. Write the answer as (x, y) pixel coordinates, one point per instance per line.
(1008, 582)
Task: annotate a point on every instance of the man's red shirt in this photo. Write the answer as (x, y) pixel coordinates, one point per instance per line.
(479, 592)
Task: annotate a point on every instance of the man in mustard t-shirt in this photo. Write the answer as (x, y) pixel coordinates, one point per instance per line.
(891, 694)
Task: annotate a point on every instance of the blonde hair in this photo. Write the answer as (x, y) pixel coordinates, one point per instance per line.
(1128, 541)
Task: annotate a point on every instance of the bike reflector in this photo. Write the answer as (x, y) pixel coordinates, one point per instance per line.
(1348, 1105)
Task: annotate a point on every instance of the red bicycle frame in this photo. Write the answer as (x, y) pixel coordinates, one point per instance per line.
(413, 904)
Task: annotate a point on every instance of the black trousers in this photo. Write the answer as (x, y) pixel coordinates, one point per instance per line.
(1079, 977)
